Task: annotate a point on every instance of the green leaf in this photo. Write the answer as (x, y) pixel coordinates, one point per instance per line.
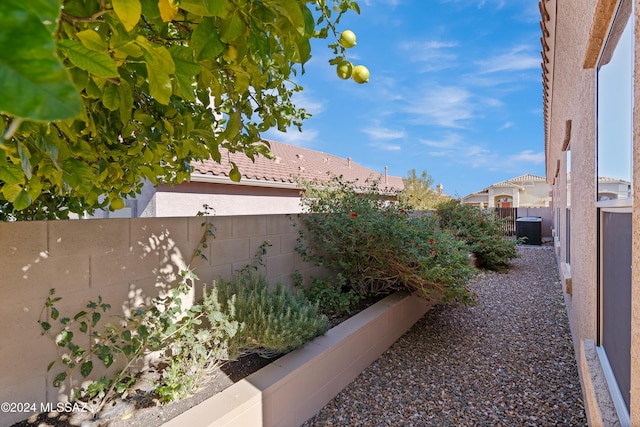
(309, 22)
(231, 28)
(111, 96)
(24, 160)
(79, 315)
(206, 41)
(48, 11)
(34, 188)
(205, 7)
(106, 357)
(59, 379)
(128, 11)
(184, 61)
(143, 332)
(160, 65)
(92, 40)
(78, 175)
(95, 318)
(86, 368)
(14, 193)
(11, 174)
(49, 148)
(159, 84)
(150, 9)
(33, 82)
(126, 101)
(304, 50)
(99, 64)
(45, 326)
(295, 15)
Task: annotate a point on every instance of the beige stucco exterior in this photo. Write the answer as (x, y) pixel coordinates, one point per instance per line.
(525, 191)
(573, 32)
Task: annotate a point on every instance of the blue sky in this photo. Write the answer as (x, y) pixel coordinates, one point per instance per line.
(455, 90)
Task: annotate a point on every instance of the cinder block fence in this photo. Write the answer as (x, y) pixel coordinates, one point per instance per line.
(127, 262)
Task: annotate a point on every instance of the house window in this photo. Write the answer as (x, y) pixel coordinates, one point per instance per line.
(615, 110)
(614, 165)
(567, 251)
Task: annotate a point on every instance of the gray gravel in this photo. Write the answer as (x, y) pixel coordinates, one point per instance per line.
(508, 361)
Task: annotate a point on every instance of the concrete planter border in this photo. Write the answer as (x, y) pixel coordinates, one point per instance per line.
(295, 387)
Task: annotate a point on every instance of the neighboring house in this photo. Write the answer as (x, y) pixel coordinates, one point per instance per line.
(268, 186)
(613, 188)
(524, 191)
(590, 88)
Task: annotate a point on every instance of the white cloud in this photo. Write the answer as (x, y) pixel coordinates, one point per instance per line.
(449, 141)
(517, 59)
(506, 125)
(305, 100)
(293, 136)
(499, 4)
(443, 106)
(433, 53)
(459, 151)
(384, 133)
(392, 3)
(527, 156)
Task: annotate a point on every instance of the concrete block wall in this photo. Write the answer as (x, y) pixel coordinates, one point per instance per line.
(126, 262)
(545, 213)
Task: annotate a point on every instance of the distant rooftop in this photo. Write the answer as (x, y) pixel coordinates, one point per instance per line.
(513, 182)
(293, 162)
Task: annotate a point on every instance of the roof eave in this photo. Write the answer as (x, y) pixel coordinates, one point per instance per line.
(251, 182)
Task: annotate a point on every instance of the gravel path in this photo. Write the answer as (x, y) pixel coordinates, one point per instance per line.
(508, 361)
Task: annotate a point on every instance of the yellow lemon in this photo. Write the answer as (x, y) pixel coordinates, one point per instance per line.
(360, 74)
(344, 69)
(347, 39)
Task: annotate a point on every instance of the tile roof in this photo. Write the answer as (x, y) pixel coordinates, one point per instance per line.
(292, 161)
(513, 182)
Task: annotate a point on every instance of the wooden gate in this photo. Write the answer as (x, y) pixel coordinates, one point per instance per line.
(509, 226)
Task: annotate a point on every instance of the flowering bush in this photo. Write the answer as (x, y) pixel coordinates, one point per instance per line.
(378, 246)
(482, 231)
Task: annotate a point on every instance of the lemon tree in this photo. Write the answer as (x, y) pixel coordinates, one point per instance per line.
(100, 95)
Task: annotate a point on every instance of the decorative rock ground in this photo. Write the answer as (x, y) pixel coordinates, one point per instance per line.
(508, 361)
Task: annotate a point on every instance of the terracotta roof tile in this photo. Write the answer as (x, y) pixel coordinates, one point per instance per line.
(292, 161)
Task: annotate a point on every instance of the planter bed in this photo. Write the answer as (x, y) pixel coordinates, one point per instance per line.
(295, 387)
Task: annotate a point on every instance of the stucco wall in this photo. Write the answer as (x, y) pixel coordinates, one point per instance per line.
(536, 195)
(572, 97)
(187, 199)
(126, 261)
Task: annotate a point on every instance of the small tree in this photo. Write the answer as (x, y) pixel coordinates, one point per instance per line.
(482, 231)
(378, 247)
(100, 95)
(417, 192)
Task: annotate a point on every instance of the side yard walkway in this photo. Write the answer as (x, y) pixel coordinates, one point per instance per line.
(508, 361)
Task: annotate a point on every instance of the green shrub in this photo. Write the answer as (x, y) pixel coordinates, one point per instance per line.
(83, 339)
(273, 322)
(379, 247)
(333, 296)
(482, 231)
(197, 347)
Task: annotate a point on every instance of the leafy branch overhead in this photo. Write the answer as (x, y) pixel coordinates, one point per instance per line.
(100, 95)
